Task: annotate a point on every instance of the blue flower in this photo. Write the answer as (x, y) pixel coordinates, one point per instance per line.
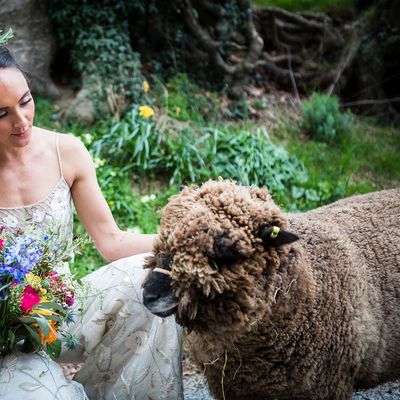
(20, 257)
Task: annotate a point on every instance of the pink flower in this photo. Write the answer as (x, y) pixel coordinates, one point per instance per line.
(1, 243)
(70, 299)
(29, 299)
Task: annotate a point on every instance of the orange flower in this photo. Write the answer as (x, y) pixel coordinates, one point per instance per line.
(53, 327)
(52, 334)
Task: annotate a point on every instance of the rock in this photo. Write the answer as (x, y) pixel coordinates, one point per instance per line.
(33, 44)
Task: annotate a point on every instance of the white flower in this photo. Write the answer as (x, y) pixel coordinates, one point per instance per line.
(88, 138)
(150, 197)
(10, 221)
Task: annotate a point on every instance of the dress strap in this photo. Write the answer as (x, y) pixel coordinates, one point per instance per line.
(58, 154)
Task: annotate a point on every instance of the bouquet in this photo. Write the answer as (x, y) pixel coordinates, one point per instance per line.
(35, 299)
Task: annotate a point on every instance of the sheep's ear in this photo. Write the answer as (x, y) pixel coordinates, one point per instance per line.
(273, 236)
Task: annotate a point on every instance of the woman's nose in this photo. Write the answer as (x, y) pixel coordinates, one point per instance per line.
(20, 119)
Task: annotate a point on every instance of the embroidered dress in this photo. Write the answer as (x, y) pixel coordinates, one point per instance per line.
(127, 352)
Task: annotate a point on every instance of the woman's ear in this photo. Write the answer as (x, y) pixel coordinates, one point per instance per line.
(273, 236)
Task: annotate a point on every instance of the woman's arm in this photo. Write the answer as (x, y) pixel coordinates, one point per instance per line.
(92, 208)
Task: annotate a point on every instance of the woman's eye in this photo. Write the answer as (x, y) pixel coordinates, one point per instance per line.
(26, 101)
(3, 114)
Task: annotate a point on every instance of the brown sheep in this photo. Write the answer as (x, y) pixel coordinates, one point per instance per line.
(273, 317)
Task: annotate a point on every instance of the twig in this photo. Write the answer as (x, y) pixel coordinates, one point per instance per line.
(223, 375)
(370, 101)
(345, 61)
(296, 92)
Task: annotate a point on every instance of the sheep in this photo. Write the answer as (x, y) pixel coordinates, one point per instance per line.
(281, 306)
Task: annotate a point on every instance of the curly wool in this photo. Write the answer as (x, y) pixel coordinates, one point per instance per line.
(308, 320)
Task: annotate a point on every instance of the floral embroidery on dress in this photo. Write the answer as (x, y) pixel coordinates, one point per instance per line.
(8, 365)
(10, 221)
(135, 341)
(38, 216)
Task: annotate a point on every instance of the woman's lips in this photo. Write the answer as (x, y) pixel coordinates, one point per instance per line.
(22, 133)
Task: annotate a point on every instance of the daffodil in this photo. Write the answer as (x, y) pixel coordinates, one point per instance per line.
(146, 86)
(146, 111)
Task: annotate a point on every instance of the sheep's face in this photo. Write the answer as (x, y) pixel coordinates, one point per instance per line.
(213, 243)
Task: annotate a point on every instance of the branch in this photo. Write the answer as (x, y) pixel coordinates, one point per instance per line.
(298, 19)
(212, 47)
(347, 59)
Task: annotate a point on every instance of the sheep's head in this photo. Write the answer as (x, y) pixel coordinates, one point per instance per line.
(216, 247)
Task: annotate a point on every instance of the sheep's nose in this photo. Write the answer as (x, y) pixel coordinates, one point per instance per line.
(149, 297)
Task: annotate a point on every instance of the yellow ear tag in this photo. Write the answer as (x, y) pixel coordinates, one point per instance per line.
(275, 232)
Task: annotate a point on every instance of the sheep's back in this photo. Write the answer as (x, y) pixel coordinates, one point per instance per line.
(354, 244)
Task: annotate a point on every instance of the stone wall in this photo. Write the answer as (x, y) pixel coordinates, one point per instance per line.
(33, 44)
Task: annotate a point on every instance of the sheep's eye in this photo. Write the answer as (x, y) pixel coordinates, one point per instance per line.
(164, 262)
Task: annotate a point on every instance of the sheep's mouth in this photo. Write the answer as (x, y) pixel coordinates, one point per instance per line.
(161, 306)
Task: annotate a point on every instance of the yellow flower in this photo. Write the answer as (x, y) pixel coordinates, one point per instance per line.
(52, 328)
(146, 111)
(52, 337)
(111, 202)
(146, 86)
(33, 281)
(177, 110)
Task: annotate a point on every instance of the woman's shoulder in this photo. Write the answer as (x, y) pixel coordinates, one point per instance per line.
(66, 142)
(74, 156)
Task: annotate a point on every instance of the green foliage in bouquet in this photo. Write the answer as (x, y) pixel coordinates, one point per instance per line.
(35, 297)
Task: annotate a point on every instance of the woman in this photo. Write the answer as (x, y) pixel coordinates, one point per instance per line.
(127, 352)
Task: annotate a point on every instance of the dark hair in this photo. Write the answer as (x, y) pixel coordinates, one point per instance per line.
(7, 60)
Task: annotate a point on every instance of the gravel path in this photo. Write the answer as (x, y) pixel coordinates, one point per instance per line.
(195, 388)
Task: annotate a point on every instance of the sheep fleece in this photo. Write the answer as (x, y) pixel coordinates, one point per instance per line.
(313, 319)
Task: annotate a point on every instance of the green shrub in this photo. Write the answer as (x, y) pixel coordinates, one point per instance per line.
(186, 102)
(322, 118)
(252, 159)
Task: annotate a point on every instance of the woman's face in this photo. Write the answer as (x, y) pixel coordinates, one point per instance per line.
(17, 109)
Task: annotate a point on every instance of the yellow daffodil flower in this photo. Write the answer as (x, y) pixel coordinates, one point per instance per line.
(146, 111)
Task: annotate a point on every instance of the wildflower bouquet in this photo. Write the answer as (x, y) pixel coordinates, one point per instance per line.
(35, 299)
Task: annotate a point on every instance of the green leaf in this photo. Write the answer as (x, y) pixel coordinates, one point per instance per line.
(34, 333)
(54, 349)
(48, 305)
(43, 325)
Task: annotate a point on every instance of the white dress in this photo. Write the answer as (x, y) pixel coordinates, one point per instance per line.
(128, 353)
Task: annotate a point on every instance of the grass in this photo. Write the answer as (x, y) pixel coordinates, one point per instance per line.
(366, 160)
(305, 5)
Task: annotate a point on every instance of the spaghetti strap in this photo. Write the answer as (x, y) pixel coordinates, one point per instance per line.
(58, 155)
